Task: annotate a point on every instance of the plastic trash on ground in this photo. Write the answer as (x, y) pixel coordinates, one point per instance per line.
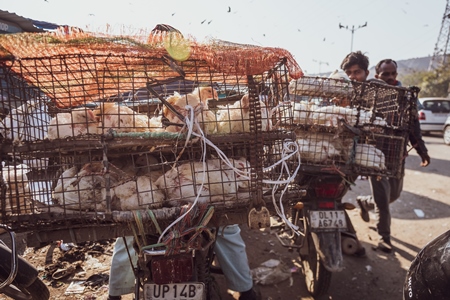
(271, 272)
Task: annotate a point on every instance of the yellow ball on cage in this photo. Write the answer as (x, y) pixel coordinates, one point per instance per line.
(177, 47)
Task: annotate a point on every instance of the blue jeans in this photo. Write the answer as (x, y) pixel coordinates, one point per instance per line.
(229, 249)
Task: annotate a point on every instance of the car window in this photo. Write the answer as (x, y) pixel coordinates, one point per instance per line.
(445, 106)
(437, 106)
(428, 105)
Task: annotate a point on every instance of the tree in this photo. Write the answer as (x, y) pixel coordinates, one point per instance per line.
(433, 83)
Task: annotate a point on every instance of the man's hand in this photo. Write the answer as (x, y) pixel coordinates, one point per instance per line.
(425, 159)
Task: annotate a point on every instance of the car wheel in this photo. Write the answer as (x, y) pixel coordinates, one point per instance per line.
(447, 135)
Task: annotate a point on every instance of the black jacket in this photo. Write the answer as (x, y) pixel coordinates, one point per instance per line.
(415, 138)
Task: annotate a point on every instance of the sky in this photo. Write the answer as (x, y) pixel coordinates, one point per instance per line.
(309, 29)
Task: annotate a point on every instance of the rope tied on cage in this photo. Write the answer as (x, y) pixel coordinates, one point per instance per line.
(138, 229)
(184, 234)
(153, 218)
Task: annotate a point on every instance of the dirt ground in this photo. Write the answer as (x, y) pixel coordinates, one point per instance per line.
(377, 276)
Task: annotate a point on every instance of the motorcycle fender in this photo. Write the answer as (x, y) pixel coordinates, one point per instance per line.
(328, 245)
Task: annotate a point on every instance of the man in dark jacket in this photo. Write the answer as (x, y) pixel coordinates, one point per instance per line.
(386, 190)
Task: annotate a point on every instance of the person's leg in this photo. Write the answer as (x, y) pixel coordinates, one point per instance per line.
(381, 192)
(366, 204)
(232, 257)
(121, 276)
(396, 185)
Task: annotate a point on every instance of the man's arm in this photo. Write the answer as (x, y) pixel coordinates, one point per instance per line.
(415, 138)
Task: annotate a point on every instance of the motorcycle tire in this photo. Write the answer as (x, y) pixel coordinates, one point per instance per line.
(203, 263)
(35, 291)
(317, 277)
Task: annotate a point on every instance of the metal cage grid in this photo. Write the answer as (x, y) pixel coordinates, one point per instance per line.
(100, 169)
(347, 127)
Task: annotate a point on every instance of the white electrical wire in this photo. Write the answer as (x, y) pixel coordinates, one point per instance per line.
(190, 126)
(289, 150)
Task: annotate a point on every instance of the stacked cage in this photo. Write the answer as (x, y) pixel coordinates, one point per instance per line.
(348, 127)
(102, 131)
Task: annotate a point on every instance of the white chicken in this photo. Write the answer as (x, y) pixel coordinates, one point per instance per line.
(236, 117)
(138, 194)
(155, 124)
(330, 115)
(317, 148)
(369, 156)
(121, 118)
(28, 122)
(64, 180)
(84, 190)
(206, 118)
(302, 111)
(79, 121)
(182, 183)
(305, 85)
(205, 93)
(18, 191)
(78, 190)
(366, 116)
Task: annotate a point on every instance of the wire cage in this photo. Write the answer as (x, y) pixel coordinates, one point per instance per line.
(100, 131)
(350, 127)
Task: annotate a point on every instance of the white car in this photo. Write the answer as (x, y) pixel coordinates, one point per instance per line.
(433, 113)
(446, 131)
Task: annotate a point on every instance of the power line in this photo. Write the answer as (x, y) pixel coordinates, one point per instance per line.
(353, 29)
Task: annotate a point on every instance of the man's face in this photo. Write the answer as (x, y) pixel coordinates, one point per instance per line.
(356, 73)
(388, 73)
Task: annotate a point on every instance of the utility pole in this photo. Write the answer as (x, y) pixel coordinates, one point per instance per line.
(320, 63)
(353, 29)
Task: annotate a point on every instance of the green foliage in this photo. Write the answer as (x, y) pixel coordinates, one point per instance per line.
(433, 83)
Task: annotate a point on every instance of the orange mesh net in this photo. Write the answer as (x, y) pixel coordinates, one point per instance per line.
(78, 68)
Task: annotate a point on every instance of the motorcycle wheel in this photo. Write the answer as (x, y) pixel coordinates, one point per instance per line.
(203, 262)
(36, 291)
(317, 277)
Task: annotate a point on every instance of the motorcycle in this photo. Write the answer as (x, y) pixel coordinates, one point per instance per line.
(18, 278)
(181, 264)
(320, 229)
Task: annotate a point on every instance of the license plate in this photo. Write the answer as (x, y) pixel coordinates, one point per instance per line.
(174, 291)
(328, 219)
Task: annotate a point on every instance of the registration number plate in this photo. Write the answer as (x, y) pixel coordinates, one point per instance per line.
(174, 291)
(328, 219)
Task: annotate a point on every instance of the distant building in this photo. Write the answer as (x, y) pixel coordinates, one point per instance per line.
(12, 23)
